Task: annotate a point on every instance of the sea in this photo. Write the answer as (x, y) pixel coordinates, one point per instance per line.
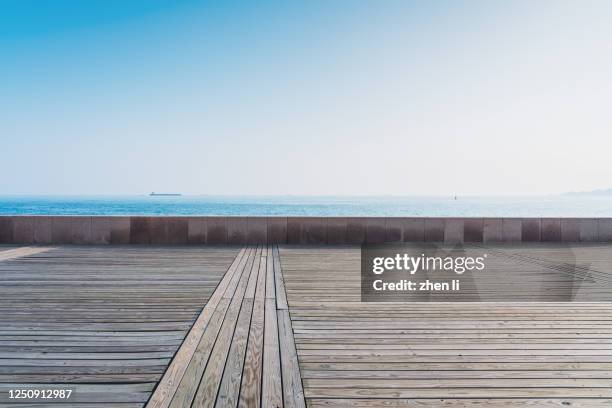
(543, 206)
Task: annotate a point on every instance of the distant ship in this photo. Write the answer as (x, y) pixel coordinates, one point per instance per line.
(154, 194)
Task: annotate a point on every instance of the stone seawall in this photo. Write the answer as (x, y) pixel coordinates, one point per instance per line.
(295, 230)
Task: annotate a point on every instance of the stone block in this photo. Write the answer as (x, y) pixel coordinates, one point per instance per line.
(375, 230)
(512, 230)
(336, 230)
(177, 230)
(43, 230)
(531, 230)
(196, 230)
(23, 230)
(237, 230)
(257, 230)
(314, 230)
(570, 230)
(80, 227)
(434, 229)
(604, 228)
(356, 230)
(473, 230)
(492, 230)
(550, 230)
(100, 230)
(140, 230)
(216, 230)
(61, 230)
(414, 230)
(120, 230)
(394, 228)
(453, 230)
(277, 230)
(6, 230)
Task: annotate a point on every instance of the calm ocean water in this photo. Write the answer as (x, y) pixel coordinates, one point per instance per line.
(548, 206)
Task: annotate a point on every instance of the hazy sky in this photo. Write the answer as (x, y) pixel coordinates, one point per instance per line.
(312, 97)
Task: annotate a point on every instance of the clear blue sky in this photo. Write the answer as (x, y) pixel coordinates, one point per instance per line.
(312, 97)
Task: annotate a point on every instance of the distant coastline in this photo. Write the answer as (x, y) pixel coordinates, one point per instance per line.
(602, 192)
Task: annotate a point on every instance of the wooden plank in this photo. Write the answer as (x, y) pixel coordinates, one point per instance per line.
(481, 383)
(229, 389)
(130, 308)
(459, 403)
(250, 390)
(272, 393)
(270, 278)
(496, 354)
(209, 384)
(252, 285)
(186, 389)
(475, 366)
(544, 392)
(293, 394)
(281, 297)
(102, 321)
(453, 374)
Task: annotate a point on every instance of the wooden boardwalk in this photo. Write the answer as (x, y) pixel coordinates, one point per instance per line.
(103, 322)
(240, 351)
(263, 326)
(355, 354)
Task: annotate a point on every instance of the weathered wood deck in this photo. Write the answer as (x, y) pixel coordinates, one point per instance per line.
(272, 327)
(241, 350)
(104, 322)
(355, 354)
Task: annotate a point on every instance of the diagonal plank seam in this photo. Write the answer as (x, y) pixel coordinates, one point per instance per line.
(208, 385)
(229, 387)
(168, 385)
(241, 352)
(187, 388)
